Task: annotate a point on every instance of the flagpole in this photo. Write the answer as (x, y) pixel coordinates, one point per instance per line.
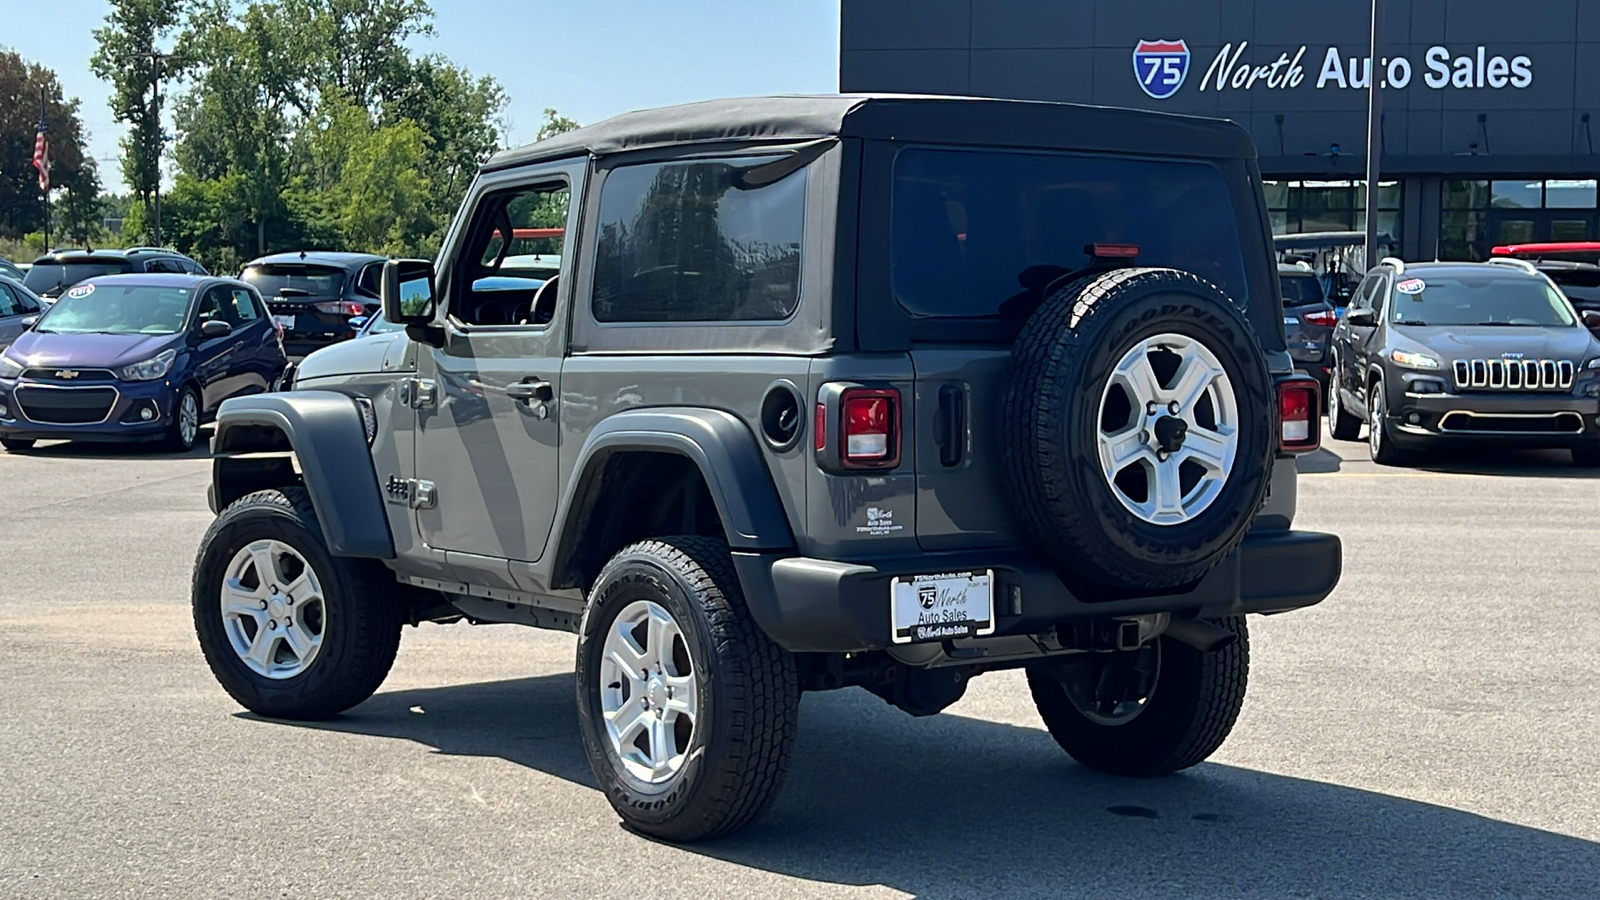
(47, 184)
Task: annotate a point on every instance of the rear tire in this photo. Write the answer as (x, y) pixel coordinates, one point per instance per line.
(1186, 716)
(710, 758)
(357, 630)
(1342, 426)
(17, 445)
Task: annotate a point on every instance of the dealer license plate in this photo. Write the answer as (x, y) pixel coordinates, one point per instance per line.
(284, 322)
(941, 607)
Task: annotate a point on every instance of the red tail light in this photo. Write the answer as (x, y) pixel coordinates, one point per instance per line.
(870, 436)
(341, 308)
(1299, 415)
(1326, 318)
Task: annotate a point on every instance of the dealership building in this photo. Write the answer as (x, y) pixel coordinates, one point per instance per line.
(1487, 128)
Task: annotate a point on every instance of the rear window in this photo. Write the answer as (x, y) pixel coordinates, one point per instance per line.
(699, 242)
(972, 229)
(49, 279)
(1301, 290)
(296, 280)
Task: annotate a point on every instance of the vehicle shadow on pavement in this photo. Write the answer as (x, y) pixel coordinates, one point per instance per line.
(951, 806)
(132, 450)
(1320, 462)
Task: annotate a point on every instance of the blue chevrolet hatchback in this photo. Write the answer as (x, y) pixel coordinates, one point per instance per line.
(136, 358)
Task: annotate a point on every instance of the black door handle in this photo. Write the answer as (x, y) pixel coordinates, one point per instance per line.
(531, 389)
(950, 424)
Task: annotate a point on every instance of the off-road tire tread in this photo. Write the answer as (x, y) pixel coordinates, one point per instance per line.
(1029, 460)
(759, 683)
(372, 617)
(1222, 680)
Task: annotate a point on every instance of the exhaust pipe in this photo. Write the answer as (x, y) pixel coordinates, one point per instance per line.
(1200, 634)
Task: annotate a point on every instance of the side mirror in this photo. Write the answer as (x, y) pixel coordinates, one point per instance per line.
(356, 322)
(1591, 320)
(407, 291)
(1361, 318)
(215, 328)
(27, 322)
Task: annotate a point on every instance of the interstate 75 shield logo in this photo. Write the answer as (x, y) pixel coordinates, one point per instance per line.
(1161, 67)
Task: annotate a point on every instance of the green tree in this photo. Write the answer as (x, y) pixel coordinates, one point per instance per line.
(554, 123)
(129, 57)
(22, 206)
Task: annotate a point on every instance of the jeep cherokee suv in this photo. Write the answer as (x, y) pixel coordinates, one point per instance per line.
(886, 392)
(1433, 354)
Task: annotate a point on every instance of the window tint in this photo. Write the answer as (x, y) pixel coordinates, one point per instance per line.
(370, 282)
(49, 279)
(1300, 290)
(9, 304)
(163, 265)
(1362, 299)
(972, 229)
(1380, 293)
(709, 241)
(242, 308)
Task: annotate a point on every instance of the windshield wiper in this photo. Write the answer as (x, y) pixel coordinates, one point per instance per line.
(1410, 322)
(292, 292)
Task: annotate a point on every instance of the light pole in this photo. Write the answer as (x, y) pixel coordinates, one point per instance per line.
(156, 59)
(1374, 131)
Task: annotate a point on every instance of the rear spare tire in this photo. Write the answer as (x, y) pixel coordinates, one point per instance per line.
(1139, 428)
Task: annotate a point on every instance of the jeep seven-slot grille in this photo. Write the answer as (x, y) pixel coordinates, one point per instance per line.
(1514, 374)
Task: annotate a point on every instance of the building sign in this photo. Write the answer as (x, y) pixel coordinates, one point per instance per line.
(1161, 67)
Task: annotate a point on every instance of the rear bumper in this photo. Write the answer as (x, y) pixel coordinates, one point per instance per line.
(824, 606)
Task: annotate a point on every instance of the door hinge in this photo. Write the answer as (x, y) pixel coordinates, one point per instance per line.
(413, 492)
(419, 393)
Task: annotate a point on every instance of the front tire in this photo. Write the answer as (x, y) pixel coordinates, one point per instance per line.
(1380, 440)
(686, 708)
(17, 445)
(1183, 718)
(289, 630)
(185, 428)
(1342, 426)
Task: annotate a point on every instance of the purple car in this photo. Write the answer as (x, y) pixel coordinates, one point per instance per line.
(137, 357)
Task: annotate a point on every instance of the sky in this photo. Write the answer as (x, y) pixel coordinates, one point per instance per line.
(588, 60)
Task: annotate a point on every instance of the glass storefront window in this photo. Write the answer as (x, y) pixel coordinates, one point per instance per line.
(1519, 194)
(1466, 195)
(1298, 207)
(1565, 194)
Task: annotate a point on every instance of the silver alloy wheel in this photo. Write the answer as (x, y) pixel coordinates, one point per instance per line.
(188, 418)
(1375, 415)
(1168, 429)
(273, 610)
(649, 691)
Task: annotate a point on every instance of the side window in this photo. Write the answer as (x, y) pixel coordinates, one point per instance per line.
(370, 282)
(162, 265)
(193, 268)
(9, 304)
(1380, 293)
(704, 241)
(1362, 299)
(25, 303)
(241, 310)
(513, 248)
(211, 305)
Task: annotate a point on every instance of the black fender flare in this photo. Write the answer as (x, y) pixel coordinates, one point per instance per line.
(324, 431)
(717, 442)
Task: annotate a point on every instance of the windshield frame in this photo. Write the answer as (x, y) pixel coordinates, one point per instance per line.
(1561, 305)
(66, 302)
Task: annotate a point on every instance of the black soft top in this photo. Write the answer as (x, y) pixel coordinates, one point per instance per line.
(921, 119)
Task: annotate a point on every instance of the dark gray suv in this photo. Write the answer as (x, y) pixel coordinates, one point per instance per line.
(885, 392)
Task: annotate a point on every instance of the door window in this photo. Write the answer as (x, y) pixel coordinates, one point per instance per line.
(513, 247)
(240, 308)
(371, 280)
(212, 304)
(9, 304)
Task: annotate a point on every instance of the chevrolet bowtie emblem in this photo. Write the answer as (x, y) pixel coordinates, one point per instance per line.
(67, 373)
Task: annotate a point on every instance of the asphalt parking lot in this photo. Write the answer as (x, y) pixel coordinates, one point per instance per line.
(1431, 730)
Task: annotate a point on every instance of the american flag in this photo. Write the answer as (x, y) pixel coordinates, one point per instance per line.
(41, 157)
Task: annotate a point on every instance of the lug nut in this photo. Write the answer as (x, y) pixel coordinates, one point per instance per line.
(272, 625)
(1161, 455)
(263, 604)
(1144, 437)
(274, 589)
(1173, 407)
(1150, 408)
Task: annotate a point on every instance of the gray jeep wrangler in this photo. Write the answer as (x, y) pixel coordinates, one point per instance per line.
(774, 395)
